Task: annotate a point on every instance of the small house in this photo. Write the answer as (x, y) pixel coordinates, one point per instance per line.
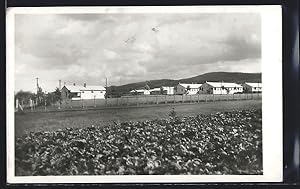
(162, 91)
(220, 88)
(252, 87)
(189, 89)
(74, 92)
(167, 90)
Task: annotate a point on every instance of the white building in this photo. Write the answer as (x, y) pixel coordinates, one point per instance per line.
(168, 90)
(220, 88)
(162, 91)
(252, 87)
(82, 92)
(155, 91)
(140, 92)
(189, 89)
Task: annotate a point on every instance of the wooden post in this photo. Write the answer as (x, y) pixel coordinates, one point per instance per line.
(137, 101)
(118, 101)
(94, 101)
(45, 106)
(165, 99)
(17, 104)
(198, 97)
(174, 99)
(82, 103)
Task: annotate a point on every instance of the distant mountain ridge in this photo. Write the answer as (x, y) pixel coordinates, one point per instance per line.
(236, 77)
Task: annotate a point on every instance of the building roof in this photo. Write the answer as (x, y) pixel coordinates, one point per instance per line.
(254, 84)
(155, 89)
(73, 88)
(165, 87)
(77, 89)
(192, 86)
(223, 84)
(138, 90)
(93, 88)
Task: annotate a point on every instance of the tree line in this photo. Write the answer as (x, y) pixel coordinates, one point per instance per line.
(41, 98)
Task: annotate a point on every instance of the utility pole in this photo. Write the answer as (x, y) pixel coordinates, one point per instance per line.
(59, 84)
(37, 85)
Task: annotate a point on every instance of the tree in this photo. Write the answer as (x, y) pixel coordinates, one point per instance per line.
(40, 96)
(161, 90)
(57, 95)
(188, 88)
(24, 96)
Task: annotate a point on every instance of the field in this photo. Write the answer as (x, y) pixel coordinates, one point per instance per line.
(227, 143)
(51, 121)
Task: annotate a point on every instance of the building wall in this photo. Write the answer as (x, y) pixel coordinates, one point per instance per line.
(92, 94)
(192, 91)
(64, 93)
(179, 90)
(208, 89)
(250, 89)
(168, 90)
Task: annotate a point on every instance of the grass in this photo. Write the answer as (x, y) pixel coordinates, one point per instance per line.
(51, 121)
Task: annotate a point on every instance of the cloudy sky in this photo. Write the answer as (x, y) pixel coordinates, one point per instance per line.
(125, 48)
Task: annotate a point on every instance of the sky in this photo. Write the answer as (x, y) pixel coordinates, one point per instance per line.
(126, 48)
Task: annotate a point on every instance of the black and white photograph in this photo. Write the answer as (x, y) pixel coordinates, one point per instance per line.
(144, 92)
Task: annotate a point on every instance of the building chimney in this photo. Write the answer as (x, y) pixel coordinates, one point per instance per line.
(84, 84)
(74, 84)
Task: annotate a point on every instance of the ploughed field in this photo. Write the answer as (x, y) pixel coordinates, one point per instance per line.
(218, 143)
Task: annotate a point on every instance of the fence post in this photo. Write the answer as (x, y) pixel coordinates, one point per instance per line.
(82, 103)
(137, 102)
(17, 104)
(198, 97)
(45, 106)
(156, 100)
(174, 99)
(165, 99)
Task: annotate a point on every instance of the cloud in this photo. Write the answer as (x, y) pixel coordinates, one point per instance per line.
(124, 47)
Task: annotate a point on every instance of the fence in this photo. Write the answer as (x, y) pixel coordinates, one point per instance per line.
(155, 99)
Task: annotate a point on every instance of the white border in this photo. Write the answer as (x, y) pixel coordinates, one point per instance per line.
(271, 97)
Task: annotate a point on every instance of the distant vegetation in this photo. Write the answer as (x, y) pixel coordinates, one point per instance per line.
(236, 77)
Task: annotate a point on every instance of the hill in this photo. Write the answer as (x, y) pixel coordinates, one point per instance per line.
(236, 77)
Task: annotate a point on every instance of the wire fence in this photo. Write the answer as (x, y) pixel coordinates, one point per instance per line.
(144, 100)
